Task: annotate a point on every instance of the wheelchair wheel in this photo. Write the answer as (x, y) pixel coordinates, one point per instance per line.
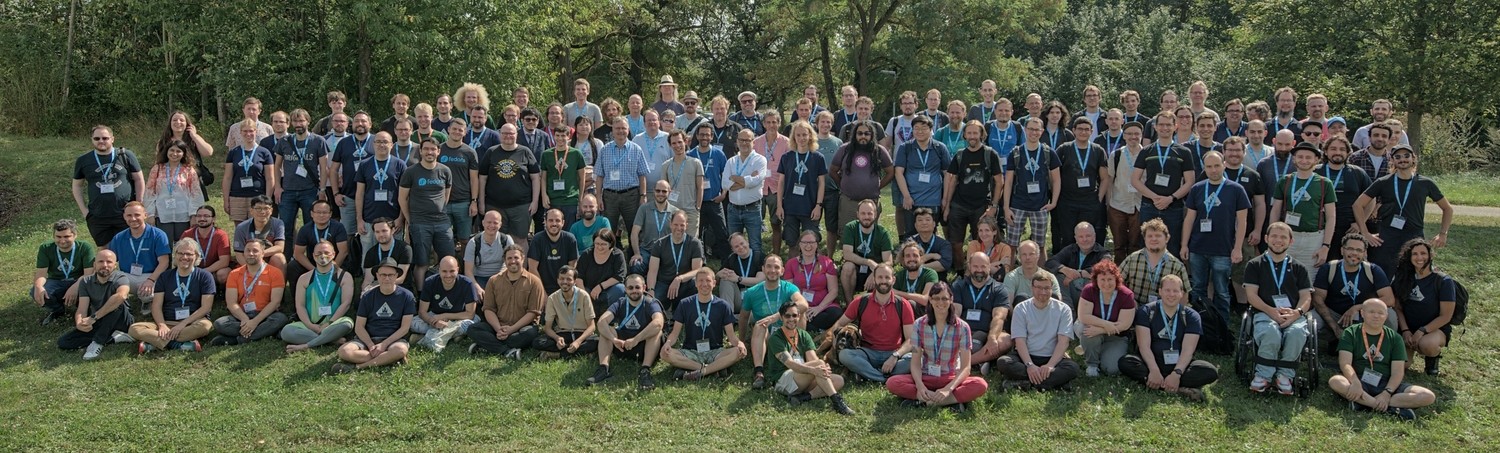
(1244, 348)
(1310, 377)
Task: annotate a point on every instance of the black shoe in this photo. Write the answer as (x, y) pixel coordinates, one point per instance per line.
(342, 368)
(836, 402)
(798, 399)
(678, 374)
(959, 408)
(911, 403)
(759, 382)
(1402, 413)
(50, 317)
(222, 340)
(601, 374)
(645, 382)
(1432, 365)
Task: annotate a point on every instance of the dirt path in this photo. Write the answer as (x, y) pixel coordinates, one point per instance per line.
(1470, 211)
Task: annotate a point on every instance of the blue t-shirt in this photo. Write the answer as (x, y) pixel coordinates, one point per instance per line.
(1345, 288)
(799, 169)
(1031, 166)
(180, 292)
(383, 312)
(452, 300)
(922, 164)
(350, 152)
(703, 321)
(143, 250)
(1004, 136)
(713, 171)
(1424, 303)
(584, 235)
(481, 140)
(631, 320)
(248, 164)
(381, 176)
(1216, 205)
(299, 153)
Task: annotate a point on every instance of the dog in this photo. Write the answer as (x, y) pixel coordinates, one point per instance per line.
(838, 340)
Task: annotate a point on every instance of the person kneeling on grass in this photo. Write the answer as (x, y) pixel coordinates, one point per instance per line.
(708, 321)
(632, 325)
(513, 300)
(323, 298)
(381, 323)
(103, 309)
(803, 376)
(939, 372)
(252, 296)
(568, 322)
(1379, 370)
(446, 308)
(182, 299)
(1170, 331)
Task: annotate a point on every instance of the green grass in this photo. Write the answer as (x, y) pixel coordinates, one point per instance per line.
(256, 398)
(1471, 189)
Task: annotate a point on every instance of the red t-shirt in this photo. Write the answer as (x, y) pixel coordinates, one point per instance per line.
(881, 328)
(211, 246)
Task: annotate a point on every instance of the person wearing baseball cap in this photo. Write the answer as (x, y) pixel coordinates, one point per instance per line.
(382, 322)
(1306, 201)
(666, 97)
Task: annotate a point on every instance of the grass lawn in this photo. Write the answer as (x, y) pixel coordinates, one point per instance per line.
(256, 398)
(1472, 189)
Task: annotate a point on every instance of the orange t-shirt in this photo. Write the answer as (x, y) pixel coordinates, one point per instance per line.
(260, 290)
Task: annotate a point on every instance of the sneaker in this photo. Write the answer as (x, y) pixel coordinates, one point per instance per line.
(645, 382)
(958, 408)
(474, 349)
(1192, 394)
(1259, 384)
(341, 368)
(222, 340)
(601, 374)
(836, 402)
(190, 346)
(1284, 385)
(678, 374)
(513, 354)
(548, 355)
(1092, 371)
(759, 382)
(692, 376)
(911, 403)
(50, 317)
(121, 337)
(144, 347)
(436, 347)
(984, 369)
(1404, 414)
(1356, 407)
(798, 399)
(1431, 365)
(92, 351)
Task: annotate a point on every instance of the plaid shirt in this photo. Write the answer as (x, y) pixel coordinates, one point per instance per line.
(614, 157)
(1144, 279)
(943, 351)
(1362, 160)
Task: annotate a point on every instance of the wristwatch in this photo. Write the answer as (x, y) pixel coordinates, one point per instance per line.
(1177, 371)
(1423, 330)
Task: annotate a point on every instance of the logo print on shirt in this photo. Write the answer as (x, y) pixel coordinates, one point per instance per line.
(445, 303)
(384, 311)
(506, 168)
(1416, 295)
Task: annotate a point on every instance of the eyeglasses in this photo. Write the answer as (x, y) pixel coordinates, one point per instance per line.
(1312, 134)
(790, 316)
(529, 118)
(808, 242)
(864, 134)
(100, 139)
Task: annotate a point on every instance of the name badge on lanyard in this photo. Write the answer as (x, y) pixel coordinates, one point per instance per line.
(703, 346)
(1162, 179)
(972, 314)
(1371, 377)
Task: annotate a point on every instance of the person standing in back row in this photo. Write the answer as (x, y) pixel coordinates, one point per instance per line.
(110, 177)
(1402, 211)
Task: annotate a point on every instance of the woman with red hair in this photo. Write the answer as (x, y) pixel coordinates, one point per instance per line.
(1106, 312)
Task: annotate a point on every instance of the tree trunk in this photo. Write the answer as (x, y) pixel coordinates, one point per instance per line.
(563, 57)
(1416, 102)
(828, 86)
(364, 65)
(68, 52)
(637, 62)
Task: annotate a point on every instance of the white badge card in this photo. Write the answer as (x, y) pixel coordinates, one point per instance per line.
(325, 311)
(247, 182)
(703, 346)
(381, 195)
(863, 268)
(672, 197)
(181, 313)
(1370, 377)
(106, 187)
(1293, 219)
(169, 203)
(614, 175)
(1169, 357)
(808, 296)
(1131, 188)
(1162, 179)
(137, 270)
(301, 171)
(557, 184)
(249, 306)
(799, 190)
(1084, 183)
(971, 315)
(924, 177)
(1281, 301)
(1398, 222)
(1033, 187)
(934, 370)
(1206, 226)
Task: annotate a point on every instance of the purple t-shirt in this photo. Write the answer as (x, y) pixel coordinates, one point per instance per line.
(861, 171)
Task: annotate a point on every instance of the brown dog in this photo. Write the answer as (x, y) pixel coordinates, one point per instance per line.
(835, 341)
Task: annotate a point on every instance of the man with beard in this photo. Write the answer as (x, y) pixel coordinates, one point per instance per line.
(952, 134)
(686, 176)
(1400, 196)
(510, 182)
(984, 304)
(673, 260)
(1380, 111)
(1280, 294)
(651, 222)
(512, 302)
(551, 252)
(1218, 211)
(103, 312)
(478, 136)
(1341, 285)
(1375, 159)
(1349, 183)
(632, 326)
(860, 168)
(1305, 201)
(914, 281)
(739, 270)
(1084, 172)
(1041, 328)
(380, 325)
(180, 304)
(1286, 110)
(385, 246)
(802, 374)
(216, 249)
(760, 312)
(709, 321)
(323, 297)
(1033, 184)
(253, 297)
(971, 186)
(1143, 268)
(348, 155)
(712, 227)
(1248, 179)
(53, 281)
(1163, 176)
(747, 117)
(463, 162)
(1075, 262)
(142, 250)
(589, 223)
(867, 245)
(620, 170)
(424, 194)
(446, 307)
(110, 178)
(885, 323)
(302, 159)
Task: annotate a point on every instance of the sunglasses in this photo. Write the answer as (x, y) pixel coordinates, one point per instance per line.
(101, 139)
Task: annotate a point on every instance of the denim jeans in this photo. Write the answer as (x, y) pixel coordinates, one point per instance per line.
(1205, 269)
(866, 363)
(55, 290)
(747, 219)
(294, 201)
(458, 215)
(428, 237)
(348, 216)
(1276, 343)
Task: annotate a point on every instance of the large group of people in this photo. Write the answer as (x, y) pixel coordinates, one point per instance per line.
(576, 228)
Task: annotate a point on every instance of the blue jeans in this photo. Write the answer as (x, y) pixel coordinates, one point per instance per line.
(348, 216)
(608, 296)
(1275, 343)
(458, 215)
(1203, 269)
(747, 219)
(866, 363)
(1172, 216)
(642, 267)
(55, 290)
(294, 201)
(427, 237)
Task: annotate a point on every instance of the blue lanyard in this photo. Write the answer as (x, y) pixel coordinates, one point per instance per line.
(937, 354)
(202, 242)
(978, 296)
(801, 160)
(1171, 326)
(677, 177)
(751, 122)
(1353, 288)
(867, 241)
(173, 171)
(379, 257)
(1082, 257)
(1329, 174)
(1161, 155)
(360, 152)
(1254, 155)
(66, 267)
(248, 287)
(923, 155)
(1033, 161)
(1208, 208)
(1292, 187)
(1276, 166)
(807, 272)
(321, 234)
(1083, 159)
(661, 220)
(767, 295)
(1278, 277)
(911, 282)
(475, 135)
(104, 174)
(621, 152)
(397, 152)
(135, 247)
(630, 313)
(301, 150)
(847, 117)
(770, 147)
(1106, 309)
(703, 319)
(1156, 273)
(984, 113)
(247, 160)
(1115, 143)
(184, 289)
(744, 264)
(1400, 198)
(382, 172)
(739, 167)
(323, 284)
(677, 254)
(927, 249)
(1053, 137)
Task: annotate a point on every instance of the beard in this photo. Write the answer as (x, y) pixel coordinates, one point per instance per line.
(361, 130)
(588, 215)
(1338, 159)
(883, 288)
(324, 261)
(978, 277)
(300, 130)
(1278, 252)
(634, 297)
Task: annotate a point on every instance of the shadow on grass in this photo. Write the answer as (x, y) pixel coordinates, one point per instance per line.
(890, 415)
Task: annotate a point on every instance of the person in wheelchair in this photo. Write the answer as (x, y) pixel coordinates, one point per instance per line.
(1342, 285)
(1280, 292)
(1380, 371)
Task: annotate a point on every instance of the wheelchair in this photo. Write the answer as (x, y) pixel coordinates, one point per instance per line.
(1306, 366)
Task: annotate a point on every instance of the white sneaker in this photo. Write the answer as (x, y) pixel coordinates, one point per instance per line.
(515, 354)
(1092, 371)
(121, 337)
(92, 351)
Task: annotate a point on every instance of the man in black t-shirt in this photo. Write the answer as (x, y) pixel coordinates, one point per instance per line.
(1280, 292)
(510, 181)
(1084, 172)
(109, 177)
(550, 251)
(381, 325)
(1402, 197)
(1163, 177)
(971, 187)
(387, 246)
(632, 326)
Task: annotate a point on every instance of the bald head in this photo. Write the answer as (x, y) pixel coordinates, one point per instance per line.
(1284, 142)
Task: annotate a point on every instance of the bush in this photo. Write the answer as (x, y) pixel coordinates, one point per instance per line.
(1453, 145)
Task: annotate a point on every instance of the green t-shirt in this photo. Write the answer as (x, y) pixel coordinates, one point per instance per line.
(572, 162)
(65, 266)
(777, 343)
(1392, 349)
(925, 276)
(871, 245)
(764, 302)
(1308, 198)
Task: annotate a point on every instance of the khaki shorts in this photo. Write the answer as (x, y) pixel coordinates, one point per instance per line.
(239, 209)
(787, 384)
(703, 358)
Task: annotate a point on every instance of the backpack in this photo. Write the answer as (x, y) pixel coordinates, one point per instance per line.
(859, 314)
(1339, 265)
(477, 241)
(1217, 338)
(1460, 303)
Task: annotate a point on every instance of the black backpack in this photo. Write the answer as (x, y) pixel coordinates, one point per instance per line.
(859, 314)
(1217, 338)
(1460, 303)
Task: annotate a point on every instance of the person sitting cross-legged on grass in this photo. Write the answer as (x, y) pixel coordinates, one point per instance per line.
(1170, 331)
(708, 321)
(568, 322)
(380, 324)
(513, 301)
(446, 308)
(803, 376)
(103, 309)
(632, 326)
(180, 304)
(939, 371)
(253, 296)
(885, 324)
(1379, 369)
(323, 299)
(1041, 328)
